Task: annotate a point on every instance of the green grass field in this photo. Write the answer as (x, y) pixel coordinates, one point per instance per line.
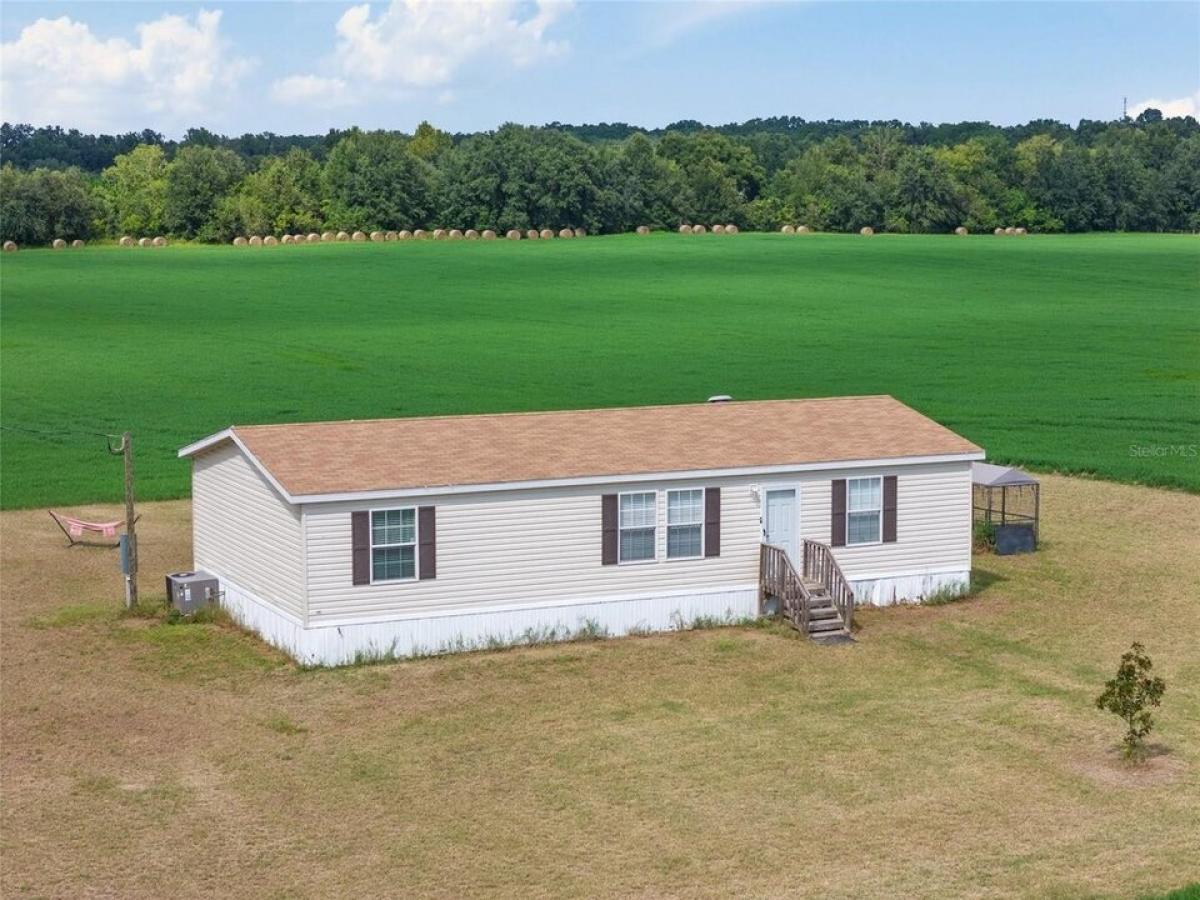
(1073, 353)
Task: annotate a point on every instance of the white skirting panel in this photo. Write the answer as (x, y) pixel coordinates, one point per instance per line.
(909, 588)
(331, 645)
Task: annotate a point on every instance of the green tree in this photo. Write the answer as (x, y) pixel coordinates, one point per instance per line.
(134, 189)
(284, 196)
(197, 178)
(371, 181)
(1131, 695)
(40, 205)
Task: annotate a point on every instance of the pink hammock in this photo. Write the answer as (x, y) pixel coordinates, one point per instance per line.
(74, 528)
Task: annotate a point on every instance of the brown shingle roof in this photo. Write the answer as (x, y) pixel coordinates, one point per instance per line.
(399, 454)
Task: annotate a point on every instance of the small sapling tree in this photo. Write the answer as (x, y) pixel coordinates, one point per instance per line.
(1131, 695)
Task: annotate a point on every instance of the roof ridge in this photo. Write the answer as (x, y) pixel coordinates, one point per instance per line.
(553, 412)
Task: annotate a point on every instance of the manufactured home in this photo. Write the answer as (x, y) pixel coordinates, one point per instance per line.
(335, 540)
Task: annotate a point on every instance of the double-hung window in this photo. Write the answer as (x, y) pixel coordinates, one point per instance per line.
(864, 510)
(685, 524)
(637, 526)
(393, 544)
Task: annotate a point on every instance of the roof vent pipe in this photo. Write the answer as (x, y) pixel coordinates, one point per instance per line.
(719, 398)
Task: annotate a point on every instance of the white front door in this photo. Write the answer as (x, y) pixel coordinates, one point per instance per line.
(779, 521)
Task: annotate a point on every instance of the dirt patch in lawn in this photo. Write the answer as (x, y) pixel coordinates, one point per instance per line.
(950, 751)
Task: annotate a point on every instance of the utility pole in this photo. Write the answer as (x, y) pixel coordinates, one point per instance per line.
(131, 588)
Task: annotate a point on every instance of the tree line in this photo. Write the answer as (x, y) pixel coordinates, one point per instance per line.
(1130, 175)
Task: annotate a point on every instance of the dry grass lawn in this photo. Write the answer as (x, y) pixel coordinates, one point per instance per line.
(952, 751)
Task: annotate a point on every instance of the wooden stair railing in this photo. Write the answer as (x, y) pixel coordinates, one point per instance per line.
(820, 601)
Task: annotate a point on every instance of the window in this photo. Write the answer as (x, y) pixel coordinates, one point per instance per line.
(637, 526)
(685, 524)
(393, 544)
(864, 510)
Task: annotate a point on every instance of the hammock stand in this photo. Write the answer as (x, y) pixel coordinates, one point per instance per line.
(74, 529)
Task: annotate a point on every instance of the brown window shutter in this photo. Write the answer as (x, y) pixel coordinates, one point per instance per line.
(889, 509)
(837, 524)
(712, 521)
(608, 529)
(427, 542)
(360, 544)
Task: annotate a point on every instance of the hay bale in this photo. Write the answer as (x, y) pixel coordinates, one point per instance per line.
(685, 229)
(77, 243)
(342, 236)
(997, 231)
(377, 237)
(533, 234)
(803, 229)
(698, 229)
(143, 242)
(546, 234)
(314, 238)
(10, 246)
(471, 234)
(389, 235)
(1021, 232)
(731, 229)
(126, 241)
(286, 239)
(718, 229)
(58, 244)
(866, 231)
(566, 233)
(328, 236)
(579, 232)
(439, 234)
(403, 234)
(961, 231)
(255, 241)
(1010, 230)
(454, 235)
(642, 229)
(513, 234)
(239, 242)
(787, 229)
(420, 233)
(358, 236)
(270, 241)
(488, 234)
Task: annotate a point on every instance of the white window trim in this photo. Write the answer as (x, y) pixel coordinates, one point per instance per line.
(621, 528)
(416, 544)
(879, 512)
(667, 527)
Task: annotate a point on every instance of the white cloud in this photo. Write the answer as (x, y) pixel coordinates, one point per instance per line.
(58, 71)
(313, 90)
(1183, 106)
(428, 44)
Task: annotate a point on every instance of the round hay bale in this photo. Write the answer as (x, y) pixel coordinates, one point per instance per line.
(301, 239)
(698, 229)
(718, 229)
(803, 229)
(454, 234)
(546, 234)
(10, 246)
(420, 233)
(403, 234)
(255, 241)
(512, 234)
(866, 231)
(270, 241)
(642, 229)
(533, 234)
(389, 235)
(997, 231)
(77, 243)
(471, 234)
(439, 234)
(377, 237)
(358, 236)
(342, 236)
(566, 233)
(286, 239)
(328, 236)
(787, 229)
(58, 244)
(143, 242)
(685, 229)
(1010, 230)
(314, 238)
(961, 231)
(579, 232)
(1021, 231)
(126, 241)
(239, 242)
(731, 229)
(488, 234)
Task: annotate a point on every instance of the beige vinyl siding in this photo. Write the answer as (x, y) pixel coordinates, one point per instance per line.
(524, 547)
(245, 531)
(933, 521)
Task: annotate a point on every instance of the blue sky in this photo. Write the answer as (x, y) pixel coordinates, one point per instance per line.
(308, 66)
